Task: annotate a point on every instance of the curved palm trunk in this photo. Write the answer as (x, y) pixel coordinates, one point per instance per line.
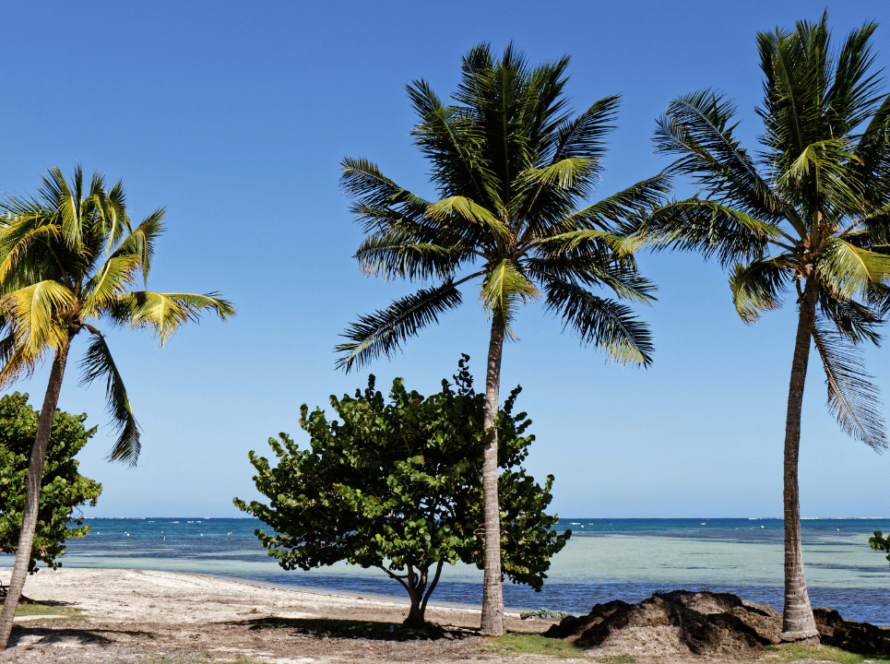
(492, 588)
(32, 495)
(797, 618)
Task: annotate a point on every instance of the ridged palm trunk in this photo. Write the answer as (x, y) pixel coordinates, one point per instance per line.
(32, 495)
(492, 588)
(797, 618)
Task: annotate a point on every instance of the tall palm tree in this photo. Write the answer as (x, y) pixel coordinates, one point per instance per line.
(511, 166)
(67, 259)
(811, 213)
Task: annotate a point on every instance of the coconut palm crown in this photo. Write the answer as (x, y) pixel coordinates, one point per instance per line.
(512, 168)
(68, 260)
(810, 215)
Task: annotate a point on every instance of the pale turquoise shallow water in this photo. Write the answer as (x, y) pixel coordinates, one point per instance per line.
(606, 559)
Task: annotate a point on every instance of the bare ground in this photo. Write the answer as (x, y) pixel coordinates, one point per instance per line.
(139, 616)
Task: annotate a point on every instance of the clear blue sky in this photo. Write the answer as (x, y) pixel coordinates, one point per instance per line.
(235, 116)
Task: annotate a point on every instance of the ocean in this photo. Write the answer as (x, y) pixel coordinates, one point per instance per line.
(605, 559)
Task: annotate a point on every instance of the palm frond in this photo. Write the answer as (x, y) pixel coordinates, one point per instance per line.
(759, 285)
(141, 242)
(620, 274)
(710, 228)
(394, 255)
(848, 270)
(601, 322)
(98, 363)
(381, 334)
(468, 210)
(16, 361)
(857, 322)
(374, 191)
(698, 127)
(110, 280)
(35, 315)
(164, 313)
(852, 398)
(503, 287)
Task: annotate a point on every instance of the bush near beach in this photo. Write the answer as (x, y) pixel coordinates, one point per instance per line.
(397, 485)
(64, 489)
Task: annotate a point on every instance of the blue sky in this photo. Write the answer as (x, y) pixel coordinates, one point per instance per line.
(235, 117)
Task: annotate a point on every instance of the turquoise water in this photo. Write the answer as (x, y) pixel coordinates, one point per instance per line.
(606, 559)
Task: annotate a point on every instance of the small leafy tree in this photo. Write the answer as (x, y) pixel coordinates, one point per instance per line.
(880, 543)
(397, 485)
(64, 489)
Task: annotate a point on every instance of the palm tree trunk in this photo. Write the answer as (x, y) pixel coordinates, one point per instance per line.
(32, 495)
(797, 618)
(492, 588)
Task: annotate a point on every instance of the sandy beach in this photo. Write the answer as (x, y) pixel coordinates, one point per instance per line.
(134, 615)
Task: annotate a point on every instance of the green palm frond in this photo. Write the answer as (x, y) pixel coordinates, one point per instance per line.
(16, 362)
(618, 274)
(857, 322)
(601, 322)
(141, 242)
(110, 280)
(503, 287)
(164, 313)
(710, 228)
(852, 398)
(67, 202)
(381, 334)
(848, 270)
(468, 210)
(759, 285)
(568, 173)
(617, 208)
(98, 363)
(698, 128)
(393, 255)
(35, 315)
(364, 181)
(563, 243)
(18, 240)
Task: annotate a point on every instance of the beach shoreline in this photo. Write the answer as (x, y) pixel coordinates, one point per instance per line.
(210, 617)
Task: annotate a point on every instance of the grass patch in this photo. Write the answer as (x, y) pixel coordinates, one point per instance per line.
(791, 652)
(523, 643)
(31, 608)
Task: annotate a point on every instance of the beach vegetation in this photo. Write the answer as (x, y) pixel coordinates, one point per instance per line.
(530, 643)
(68, 259)
(512, 168)
(790, 652)
(58, 612)
(880, 543)
(64, 490)
(808, 215)
(395, 484)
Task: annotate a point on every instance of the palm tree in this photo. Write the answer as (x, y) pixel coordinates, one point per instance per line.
(510, 166)
(815, 217)
(67, 258)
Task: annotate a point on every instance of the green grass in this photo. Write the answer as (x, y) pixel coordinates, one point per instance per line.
(523, 643)
(30, 608)
(791, 652)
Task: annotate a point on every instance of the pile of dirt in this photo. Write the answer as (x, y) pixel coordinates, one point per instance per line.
(682, 623)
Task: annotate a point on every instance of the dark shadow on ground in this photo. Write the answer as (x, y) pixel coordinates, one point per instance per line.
(48, 636)
(358, 629)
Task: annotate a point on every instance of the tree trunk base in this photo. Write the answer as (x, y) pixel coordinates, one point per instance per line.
(808, 638)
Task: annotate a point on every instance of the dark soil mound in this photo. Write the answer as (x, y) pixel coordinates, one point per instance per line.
(683, 622)
(861, 638)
